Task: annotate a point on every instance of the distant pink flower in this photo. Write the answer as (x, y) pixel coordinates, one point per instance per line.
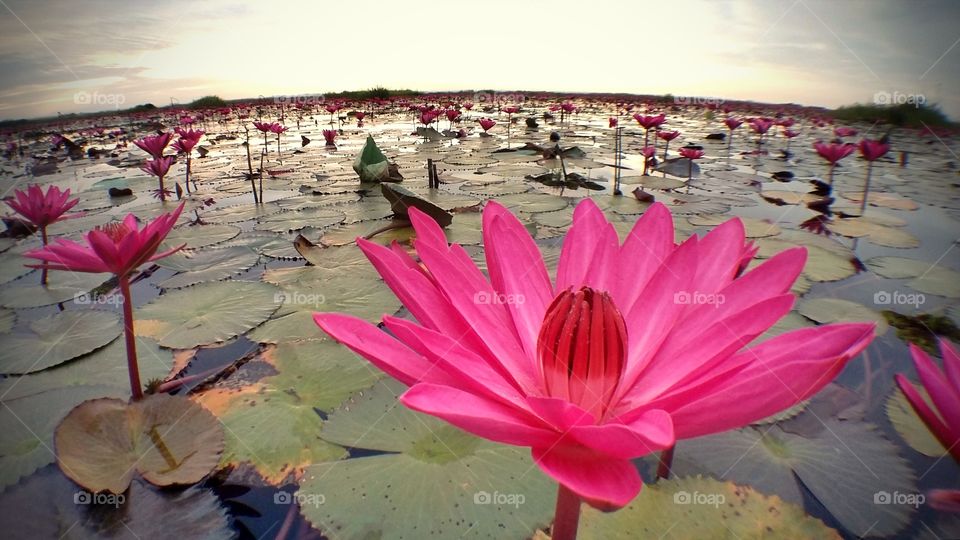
(567, 107)
(468, 105)
(789, 133)
(155, 144)
(331, 107)
(691, 153)
(264, 127)
(786, 122)
(608, 363)
(487, 123)
(193, 134)
(648, 151)
(278, 128)
(511, 109)
(330, 136)
(452, 114)
(872, 150)
(158, 167)
(732, 123)
(613, 121)
(360, 116)
(833, 152)
(668, 135)
(844, 132)
(43, 209)
(427, 117)
(650, 122)
(761, 125)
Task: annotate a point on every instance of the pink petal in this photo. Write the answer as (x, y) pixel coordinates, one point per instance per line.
(944, 398)
(478, 415)
(948, 438)
(385, 352)
(644, 250)
(517, 270)
(589, 252)
(720, 253)
(951, 364)
(604, 482)
(651, 432)
(766, 379)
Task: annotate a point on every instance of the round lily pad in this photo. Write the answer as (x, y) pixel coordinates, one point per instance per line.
(924, 277)
(207, 265)
(910, 427)
(318, 217)
(197, 236)
(167, 439)
(695, 507)
(62, 286)
(207, 313)
(57, 338)
(832, 310)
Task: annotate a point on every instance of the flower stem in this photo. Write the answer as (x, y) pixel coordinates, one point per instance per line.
(866, 189)
(666, 461)
(43, 272)
(136, 389)
(566, 519)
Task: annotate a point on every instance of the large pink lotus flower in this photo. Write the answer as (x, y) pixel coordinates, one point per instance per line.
(155, 144)
(943, 420)
(118, 248)
(872, 150)
(633, 346)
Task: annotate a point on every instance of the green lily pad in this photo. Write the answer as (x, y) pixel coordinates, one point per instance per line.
(318, 217)
(208, 313)
(924, 277)
(167, 439)
(8, 318)
(12, 265)
(755, 228)
(62, 286)
(286, 325)
(276, 426)
(28, 423)
(209, 265)
(696, 507)
(832, 310)
(241, 212)
(144, 512)
(346, 235)
(848, 466)
(533, 202)
(57, 338)
(309, 289)
(437, 482)
(198, 236)
(909, 425)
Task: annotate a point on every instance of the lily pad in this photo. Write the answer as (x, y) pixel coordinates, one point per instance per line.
(207, 313)
(318, 217)
(167, 439)
(208, 265)
(56, 339)
(832, 310)
(61, 287)
(696, 507)
(924, 277)
(307, 288)
(8, 318)
(198, 236)
(436, 482)
(910, 427)
(755, 228)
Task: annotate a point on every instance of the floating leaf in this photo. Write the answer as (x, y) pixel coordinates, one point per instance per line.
(58, 338)
(318, 217)
(924, 277)
(834, 310)
(696, 507)
(910, 427)
(61, 287)
(7, 319)
(209, 265)
(167, 439)
(207, 313)
(755, 228)
(439, 482)
(198, 236)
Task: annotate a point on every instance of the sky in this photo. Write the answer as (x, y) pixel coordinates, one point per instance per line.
(87, 55)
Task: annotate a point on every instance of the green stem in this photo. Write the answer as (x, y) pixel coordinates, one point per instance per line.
(566, 519)
(136, 389)
(866, 189)
(43, 272)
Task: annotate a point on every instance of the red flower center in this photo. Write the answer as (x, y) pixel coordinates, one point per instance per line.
(582, 349)
(116, 231)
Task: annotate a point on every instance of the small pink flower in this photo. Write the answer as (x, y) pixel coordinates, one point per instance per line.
(691, 153)
(834, 152)
(158, 167)
(613, 121)
(732, 123)
(650, 122)
(42, 209)
(487, 123)
(872, 150)
(668, 135)
(844, 132)
(330, 135)
(155, 144)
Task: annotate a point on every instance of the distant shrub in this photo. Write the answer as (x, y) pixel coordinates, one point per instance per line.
(901, 115)
(207, 102)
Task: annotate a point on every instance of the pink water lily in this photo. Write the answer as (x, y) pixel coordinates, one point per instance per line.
(159, 167)
(330, 137)
(43, 209)
(943, 386)
(633, 346)
(487, 123)
(733, 123)
(154, 144)
(872, 150)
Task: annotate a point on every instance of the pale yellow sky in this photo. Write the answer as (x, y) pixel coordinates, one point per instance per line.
(805, 51)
